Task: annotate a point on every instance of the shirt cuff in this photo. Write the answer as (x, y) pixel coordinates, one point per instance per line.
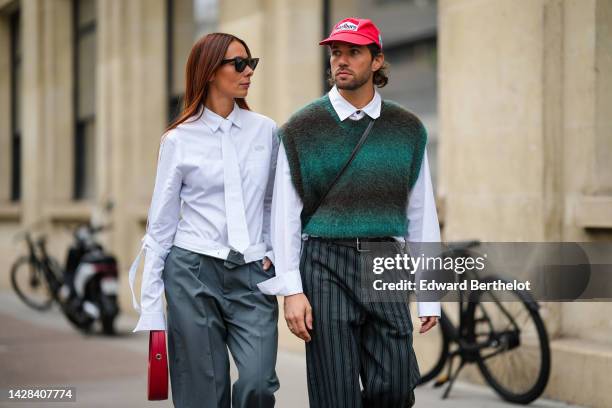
(286, 284)
(270, 256)
(151, 321)
(428, 309)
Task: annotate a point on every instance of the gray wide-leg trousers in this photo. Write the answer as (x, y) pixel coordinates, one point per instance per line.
(212, 308)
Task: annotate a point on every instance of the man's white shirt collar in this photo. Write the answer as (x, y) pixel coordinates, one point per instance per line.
(344, 109)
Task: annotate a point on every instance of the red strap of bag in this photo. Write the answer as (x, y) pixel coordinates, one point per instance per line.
(157, 388)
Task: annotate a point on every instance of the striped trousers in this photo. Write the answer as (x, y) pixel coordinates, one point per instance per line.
(354, 338)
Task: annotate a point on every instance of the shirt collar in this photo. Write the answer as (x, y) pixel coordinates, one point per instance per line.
(213, 120)
(344, 109)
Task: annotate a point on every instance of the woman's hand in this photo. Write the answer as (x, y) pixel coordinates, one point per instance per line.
(267, 263)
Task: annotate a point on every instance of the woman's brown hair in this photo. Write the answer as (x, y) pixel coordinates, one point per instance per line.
(204, 59)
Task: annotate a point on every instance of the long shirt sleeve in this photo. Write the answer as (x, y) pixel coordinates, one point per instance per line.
(162, 223)
(268, 199)
(286, 227)
(423, 223)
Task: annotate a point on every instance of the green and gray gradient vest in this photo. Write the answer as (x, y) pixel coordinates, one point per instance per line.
(370, 198)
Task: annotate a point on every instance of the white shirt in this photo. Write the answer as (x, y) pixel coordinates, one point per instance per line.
(287, 206)
(188, 204)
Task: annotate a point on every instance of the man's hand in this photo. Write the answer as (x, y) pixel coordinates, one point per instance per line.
(427, 322)
(267, 263)
(298, 315)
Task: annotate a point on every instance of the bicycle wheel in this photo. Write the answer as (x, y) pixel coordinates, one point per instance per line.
(30, 284)
(515, 359)
(432, 349)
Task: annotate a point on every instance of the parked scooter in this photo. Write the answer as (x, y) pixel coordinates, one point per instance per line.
(86, 289)
(91, 282)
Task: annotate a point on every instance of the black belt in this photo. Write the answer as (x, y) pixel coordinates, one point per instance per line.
(357, 243)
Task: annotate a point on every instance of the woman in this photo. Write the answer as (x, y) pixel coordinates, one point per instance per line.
(207, 233)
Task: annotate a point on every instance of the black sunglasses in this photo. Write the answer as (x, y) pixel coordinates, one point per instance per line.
(241, 63)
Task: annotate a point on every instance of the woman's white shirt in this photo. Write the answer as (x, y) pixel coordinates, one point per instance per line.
(188, 205)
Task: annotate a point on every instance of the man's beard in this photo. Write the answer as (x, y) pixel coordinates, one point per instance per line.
(356, 83)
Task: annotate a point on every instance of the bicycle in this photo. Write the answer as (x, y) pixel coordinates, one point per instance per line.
(495, 335)
(36, 277)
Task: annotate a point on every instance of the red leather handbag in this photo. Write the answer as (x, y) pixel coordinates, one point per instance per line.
(157, 388)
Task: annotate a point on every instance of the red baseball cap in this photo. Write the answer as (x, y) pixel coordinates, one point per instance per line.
(360, 31)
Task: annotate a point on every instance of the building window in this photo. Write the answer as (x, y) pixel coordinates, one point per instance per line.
(188, 20)
(205, 17)
(16, 125)
(84, 98)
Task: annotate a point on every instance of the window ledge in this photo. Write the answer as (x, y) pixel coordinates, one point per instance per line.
(69, 212)
(10, 211)
(594, 212)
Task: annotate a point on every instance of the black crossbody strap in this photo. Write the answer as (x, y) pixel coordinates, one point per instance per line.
(360, 143)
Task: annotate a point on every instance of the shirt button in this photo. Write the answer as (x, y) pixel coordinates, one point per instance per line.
(358, 112)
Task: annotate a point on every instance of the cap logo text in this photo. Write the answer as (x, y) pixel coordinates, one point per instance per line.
(346, 26)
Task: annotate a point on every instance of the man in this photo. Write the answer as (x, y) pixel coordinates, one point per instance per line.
(385, 192)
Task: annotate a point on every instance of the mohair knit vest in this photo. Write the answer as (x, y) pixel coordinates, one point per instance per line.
(370, 198)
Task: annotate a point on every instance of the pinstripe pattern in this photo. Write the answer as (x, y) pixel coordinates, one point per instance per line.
(352, 338)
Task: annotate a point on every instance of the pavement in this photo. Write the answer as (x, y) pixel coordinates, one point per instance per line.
(42, 349)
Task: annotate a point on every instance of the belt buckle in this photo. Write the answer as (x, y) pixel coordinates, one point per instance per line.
(234, 259)
(359, 249)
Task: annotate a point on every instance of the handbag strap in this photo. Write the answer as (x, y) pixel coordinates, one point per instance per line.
(360, 143)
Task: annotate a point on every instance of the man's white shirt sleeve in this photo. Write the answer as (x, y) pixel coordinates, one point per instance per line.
(286, 233)
(423, 223)
(268, 199)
